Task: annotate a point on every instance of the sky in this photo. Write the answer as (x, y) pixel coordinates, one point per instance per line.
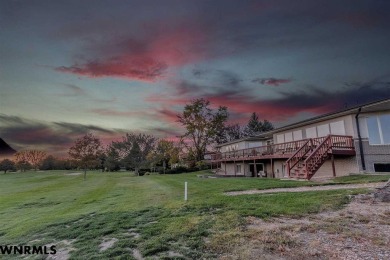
(110, 67)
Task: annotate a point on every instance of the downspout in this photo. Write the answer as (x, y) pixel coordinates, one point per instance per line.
(360, 140)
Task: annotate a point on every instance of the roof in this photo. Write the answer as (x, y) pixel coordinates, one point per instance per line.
(376, 106)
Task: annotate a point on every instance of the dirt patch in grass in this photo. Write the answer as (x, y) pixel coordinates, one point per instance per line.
(137, 255)
(73, 173)
(361, 230)
(303, 189)
(63, 248)
(107, 243)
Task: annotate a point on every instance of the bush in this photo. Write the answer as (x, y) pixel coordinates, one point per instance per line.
(177, 170)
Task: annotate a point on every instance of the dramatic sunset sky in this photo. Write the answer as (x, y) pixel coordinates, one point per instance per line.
(110, 67)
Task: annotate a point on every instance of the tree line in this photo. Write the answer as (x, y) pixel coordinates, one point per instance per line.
(204, 127)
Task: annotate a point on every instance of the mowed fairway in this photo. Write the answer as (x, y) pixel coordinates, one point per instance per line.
(142, 216)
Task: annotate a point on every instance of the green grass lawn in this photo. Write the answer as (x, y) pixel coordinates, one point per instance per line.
(145, 213)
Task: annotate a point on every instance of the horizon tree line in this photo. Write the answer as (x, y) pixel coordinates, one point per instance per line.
(204, 128)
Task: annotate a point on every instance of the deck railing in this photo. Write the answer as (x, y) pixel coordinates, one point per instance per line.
(288, 148)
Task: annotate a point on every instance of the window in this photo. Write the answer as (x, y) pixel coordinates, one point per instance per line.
(297, 135)
(323, 130)
(385, 126)
(378, 129)
(337, 128)
(311, 132)
(288, 137)
(280, 138)
(238, 168)
(382, 167)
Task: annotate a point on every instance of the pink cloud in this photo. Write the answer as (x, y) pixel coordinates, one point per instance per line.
(142, 69)
(147, 59)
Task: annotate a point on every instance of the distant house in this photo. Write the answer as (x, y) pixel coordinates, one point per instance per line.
(336, 144)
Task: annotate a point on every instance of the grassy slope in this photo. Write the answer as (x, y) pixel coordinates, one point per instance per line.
(52, 206)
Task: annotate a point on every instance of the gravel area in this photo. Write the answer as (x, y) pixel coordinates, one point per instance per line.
(361, 230)
(311, 188)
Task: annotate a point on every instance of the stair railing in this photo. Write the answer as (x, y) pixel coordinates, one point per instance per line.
(316, 158)
(298, 155)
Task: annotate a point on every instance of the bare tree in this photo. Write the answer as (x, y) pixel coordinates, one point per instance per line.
(33, 157)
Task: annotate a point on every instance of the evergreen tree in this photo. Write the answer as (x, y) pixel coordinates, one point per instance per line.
(256, 126)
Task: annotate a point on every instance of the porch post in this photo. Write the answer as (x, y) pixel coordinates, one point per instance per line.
(225, 167)
(235, 169)
(333, 166)
(254, 161)
(272, 168)
(243, 165)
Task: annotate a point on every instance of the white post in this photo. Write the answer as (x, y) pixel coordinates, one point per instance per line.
(185, 191)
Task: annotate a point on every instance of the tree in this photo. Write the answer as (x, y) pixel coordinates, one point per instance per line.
(49, 163)
(23, 165)
(133, 150)
(230, 133)
(202, 125)
(33, 158)
(112, 162)
(165, 153)
(256, 126)
(87, 151)
(7, 165)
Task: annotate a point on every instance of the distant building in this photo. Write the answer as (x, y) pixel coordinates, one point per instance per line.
(349, 141)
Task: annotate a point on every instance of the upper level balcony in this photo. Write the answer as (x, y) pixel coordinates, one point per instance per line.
(340, 144)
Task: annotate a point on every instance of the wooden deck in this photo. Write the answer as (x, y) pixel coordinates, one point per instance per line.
(341, 145)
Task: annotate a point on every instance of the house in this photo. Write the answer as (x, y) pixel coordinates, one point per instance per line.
(336, 144)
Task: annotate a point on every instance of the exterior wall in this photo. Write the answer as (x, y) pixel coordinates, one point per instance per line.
(319, 129)
(344, 166)
(279, 168)
(231, 171)
(372, 154)
(242, 145)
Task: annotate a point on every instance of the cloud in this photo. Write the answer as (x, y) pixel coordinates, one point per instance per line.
(143, 57)
(75, 90)
(142, 69)
(117, 113)
(172, 133)
(54, 138)
(241, 100)
(271, 81)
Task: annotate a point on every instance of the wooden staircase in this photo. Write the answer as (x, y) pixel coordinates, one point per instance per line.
(305, 162)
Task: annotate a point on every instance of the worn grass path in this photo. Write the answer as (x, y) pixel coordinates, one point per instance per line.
(371, 185)
(145, 215)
